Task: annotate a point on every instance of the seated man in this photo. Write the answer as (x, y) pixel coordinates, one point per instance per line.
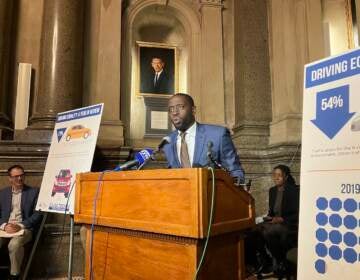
(17, 204)
(191, 140)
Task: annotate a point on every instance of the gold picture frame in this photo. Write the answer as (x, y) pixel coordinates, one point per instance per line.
(156, 58)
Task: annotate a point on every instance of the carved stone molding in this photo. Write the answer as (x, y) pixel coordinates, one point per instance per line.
(212, 2)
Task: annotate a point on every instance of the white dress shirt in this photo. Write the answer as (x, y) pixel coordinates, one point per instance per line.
(190, 142)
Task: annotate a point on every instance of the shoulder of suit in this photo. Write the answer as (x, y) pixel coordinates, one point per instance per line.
(294, 187)
(175, 132)
(28, 188)
(212, 127)
(272, 189)
(6, 189)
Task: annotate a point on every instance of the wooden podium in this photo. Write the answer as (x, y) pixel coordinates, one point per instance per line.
(152, 224)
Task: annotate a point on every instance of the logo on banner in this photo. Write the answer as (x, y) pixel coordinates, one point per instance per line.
(332, 110)
(336, 237)
(60, 133)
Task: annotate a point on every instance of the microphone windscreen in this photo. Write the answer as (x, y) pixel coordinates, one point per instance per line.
(167, 139)
(143, 155)
(164, 141)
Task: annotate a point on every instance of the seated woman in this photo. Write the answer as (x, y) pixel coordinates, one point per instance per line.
(278, 233)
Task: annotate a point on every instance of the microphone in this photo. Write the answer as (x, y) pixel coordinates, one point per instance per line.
(211, 160)
(164, 141)
(209, 153)
(140, 158)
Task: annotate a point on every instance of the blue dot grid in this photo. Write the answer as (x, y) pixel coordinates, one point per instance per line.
(335, 244)
(335, 237)
(335, 204)
(335, 220)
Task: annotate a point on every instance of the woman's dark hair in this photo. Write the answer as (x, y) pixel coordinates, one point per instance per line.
(286, 171)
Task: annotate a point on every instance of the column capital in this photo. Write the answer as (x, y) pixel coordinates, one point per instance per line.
(215, 3)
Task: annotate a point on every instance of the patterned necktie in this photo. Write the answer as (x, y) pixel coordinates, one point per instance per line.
(184, 154)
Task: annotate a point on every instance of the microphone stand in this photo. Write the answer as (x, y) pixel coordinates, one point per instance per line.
(145, 162)
(213, 162)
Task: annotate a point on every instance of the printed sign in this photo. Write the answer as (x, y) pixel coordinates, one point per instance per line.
(71, 151)
(329, 233)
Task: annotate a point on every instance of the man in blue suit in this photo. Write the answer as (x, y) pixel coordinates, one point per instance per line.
(191, 141)
(17, 204)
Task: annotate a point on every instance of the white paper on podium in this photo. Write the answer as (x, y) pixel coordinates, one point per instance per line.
(9, 235)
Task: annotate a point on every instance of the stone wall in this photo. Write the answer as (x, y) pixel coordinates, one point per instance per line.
(241, 60)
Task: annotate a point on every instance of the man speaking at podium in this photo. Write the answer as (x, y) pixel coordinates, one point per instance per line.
(191, 142)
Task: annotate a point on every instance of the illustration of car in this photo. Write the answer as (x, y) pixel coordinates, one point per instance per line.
(62, 182)
(78, 131)
(355, 124)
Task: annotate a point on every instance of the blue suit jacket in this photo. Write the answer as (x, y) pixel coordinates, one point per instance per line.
(31, 218)
(223, 149)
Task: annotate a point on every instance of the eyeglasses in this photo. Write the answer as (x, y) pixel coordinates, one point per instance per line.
(20, 176)
(176, 108)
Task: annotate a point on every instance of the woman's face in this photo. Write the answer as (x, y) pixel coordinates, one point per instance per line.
(278, 177)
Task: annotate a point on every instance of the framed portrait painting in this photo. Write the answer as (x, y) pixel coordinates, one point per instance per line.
(157, 69)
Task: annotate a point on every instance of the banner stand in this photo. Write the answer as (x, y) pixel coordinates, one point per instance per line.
(71, 151)
(71, 247)
(329, 220)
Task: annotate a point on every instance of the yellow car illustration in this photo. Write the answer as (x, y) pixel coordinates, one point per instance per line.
(78, 131)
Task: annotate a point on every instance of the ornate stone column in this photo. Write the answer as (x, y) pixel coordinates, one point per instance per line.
(212, 66)
(296, 38)
(357, 5)
(102, 75)
(6, 11)
(61, 59)
(251, 74)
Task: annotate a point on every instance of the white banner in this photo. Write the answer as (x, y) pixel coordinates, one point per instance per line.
(72, 150)
(329, 243)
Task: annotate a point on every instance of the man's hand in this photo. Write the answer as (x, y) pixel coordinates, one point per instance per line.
(277, 220)
(12, 228)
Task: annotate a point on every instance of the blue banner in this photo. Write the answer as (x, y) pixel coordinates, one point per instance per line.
(79, 114)
(333, 69)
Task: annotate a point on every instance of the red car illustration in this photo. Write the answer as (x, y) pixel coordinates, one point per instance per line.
(62, 183)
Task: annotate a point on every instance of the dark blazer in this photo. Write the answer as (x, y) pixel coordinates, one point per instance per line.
(164, 84)
(289, 206)
(223, 149)
(31, 218)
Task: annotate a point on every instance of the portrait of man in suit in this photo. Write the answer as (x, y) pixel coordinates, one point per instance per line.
(157, 69)
(160, 83)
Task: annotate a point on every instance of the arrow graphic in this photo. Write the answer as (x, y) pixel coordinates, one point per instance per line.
(332, 110)
(60, 133)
